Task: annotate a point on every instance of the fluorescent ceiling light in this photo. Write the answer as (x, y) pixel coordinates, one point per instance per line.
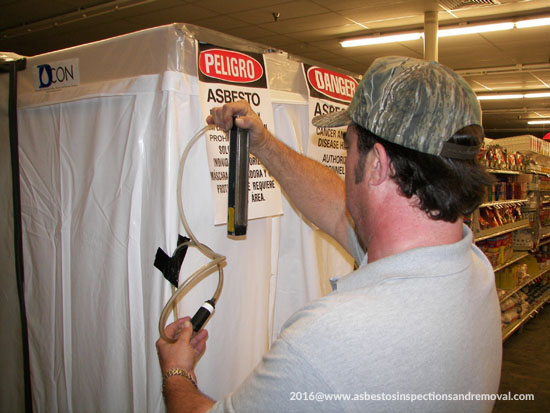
(365, 41)
(514, 96)
(498, 97)
(442, 32)
(537, 95)
(545, 21)
(538, 122)
(484, 28)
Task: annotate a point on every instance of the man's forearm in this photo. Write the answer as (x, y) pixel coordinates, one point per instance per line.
(314, 189)
(181, 395)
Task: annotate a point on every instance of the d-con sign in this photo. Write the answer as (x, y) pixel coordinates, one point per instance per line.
(230, 66)
(334, 85)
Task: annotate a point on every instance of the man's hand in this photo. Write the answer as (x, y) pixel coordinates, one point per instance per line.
(247, 119)
(185, 351)
(179, 394)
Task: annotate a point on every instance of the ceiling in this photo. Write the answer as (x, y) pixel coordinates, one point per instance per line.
(509, 61)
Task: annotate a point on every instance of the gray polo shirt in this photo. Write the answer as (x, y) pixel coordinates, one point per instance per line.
(417, 331)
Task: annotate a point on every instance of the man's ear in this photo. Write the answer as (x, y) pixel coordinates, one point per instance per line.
(380, 165)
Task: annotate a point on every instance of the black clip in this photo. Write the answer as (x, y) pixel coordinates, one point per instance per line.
(170, 265)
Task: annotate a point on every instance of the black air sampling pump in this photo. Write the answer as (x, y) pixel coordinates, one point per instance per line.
(237, 196)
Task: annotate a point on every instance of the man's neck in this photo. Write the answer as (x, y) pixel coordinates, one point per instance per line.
(399, 228)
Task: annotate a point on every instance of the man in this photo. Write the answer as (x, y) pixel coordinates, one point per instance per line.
(418, 324)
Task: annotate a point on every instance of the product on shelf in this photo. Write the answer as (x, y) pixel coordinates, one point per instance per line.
(536, 289)
(501, 293)
(532, 181)
(511, 309)
(523, 239)
(508, 304)
(544, 218)
(498, 250)
(508, 187)
(544, 183)
(492, 217)
(514, 307)
(543, 256)
(499, 157)
(510, 277)
(525, 143)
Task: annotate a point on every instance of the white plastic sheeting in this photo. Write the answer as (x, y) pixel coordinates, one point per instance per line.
(98, 178)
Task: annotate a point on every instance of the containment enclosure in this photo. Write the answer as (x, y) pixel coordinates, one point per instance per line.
(102, 128)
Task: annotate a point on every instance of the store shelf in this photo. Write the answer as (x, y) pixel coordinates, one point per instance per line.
(515, 258)
(501, 230)
(536, 172)
(523, 284)
(544, 232)
(504, 203)
(515, 325)
(503, 171)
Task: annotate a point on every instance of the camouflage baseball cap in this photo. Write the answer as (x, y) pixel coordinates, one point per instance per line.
(413, 103)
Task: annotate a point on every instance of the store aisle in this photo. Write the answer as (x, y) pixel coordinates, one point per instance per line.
(526, 366)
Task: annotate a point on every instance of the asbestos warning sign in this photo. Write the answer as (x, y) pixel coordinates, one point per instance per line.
(329, 92)
(227, 76)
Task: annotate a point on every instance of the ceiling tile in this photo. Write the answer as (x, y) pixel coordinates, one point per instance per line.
(221, 22)
(287, 11)
(504, 10)
(378, 17)
(301, 24)
(183, 13)
(512, 81)
(227, 7)
(20, 12)
(277, 40)
(346, 5)
(250, 32)
(333, 34)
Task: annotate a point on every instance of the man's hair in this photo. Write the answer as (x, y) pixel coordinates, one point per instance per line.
(446, 188)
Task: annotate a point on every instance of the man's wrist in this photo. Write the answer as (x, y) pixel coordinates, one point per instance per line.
(181, 396)
(190, 376)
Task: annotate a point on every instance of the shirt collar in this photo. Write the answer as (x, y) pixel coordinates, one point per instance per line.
(418, 262)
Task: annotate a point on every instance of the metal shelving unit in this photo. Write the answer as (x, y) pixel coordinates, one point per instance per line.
(538, 187)
(481, 235)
